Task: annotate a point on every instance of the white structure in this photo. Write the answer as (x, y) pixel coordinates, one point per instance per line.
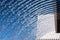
(46, 27)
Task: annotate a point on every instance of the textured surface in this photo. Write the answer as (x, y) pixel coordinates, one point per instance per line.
(58, 5)
(46, 26)
(18, 18)
(51, 35)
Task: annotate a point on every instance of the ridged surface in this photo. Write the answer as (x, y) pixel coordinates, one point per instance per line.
(18, 18)
(58, 5)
